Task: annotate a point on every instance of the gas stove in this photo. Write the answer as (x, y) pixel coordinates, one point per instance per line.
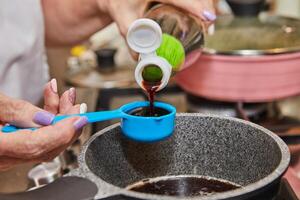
(269, 116)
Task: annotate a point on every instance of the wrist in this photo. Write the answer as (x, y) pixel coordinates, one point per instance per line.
(70, 22)
(87, 8)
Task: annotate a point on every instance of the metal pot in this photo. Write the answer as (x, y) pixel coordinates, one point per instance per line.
(250, 57)
(224, 148)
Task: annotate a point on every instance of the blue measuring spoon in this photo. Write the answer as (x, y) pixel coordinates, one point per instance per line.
(143, 129)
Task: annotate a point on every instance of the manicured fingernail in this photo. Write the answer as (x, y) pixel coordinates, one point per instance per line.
(83, 108)
(211, 29)
(43, 118)
(80, 123)
(53, 83)
(72, 95)
(209, 15)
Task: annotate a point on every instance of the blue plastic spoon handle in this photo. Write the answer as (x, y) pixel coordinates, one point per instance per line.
(92, 117)
(11, 128)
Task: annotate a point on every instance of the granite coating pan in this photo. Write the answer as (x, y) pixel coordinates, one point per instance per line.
(226, 148)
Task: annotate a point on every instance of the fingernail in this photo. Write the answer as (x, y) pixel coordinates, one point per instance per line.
(211, 29)
(72, 95)
(209, 15)
(83, 108)
(80, 123)
(43, 118)
(53, 84)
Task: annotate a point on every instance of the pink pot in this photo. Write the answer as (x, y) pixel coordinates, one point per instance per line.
(243, 78)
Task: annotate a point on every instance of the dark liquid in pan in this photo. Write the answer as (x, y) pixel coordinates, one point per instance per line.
(183, 186)
(151, 88)
(146, 112)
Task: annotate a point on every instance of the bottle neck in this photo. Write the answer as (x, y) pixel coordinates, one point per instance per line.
(153, 60)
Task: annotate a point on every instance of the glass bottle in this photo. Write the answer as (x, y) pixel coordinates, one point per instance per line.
(168, 40)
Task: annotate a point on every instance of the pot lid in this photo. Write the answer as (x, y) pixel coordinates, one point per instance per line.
(248, 34)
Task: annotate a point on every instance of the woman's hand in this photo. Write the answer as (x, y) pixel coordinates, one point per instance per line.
(124, 12)
(45, 143)
(70, 22)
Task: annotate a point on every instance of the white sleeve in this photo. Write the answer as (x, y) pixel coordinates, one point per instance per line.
(23, 71)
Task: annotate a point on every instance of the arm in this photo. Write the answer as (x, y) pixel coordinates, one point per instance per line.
(72, 21)
(68, 22)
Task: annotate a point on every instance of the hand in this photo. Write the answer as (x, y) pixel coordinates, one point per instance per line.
(45, 143)
(70, 22)
(124, 12)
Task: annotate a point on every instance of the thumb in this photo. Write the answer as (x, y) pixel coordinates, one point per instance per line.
(23, 114)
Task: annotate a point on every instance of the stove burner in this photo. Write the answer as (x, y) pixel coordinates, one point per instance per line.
(285, 127)
(246, 111)
(267, 115)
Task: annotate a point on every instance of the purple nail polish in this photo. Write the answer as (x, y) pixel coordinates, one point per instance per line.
(43, 118)
(80, 123)
(209, 15)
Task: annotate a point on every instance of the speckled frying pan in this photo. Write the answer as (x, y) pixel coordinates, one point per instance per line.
(224, 148)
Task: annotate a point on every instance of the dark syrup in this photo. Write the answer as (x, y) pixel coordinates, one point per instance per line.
(151, 88)
(146, 112)
(183, 186)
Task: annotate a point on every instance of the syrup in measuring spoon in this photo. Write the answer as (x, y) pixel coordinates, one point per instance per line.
(145, 112)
